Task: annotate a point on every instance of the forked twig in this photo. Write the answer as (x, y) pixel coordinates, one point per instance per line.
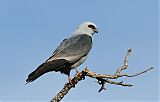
(101, 78)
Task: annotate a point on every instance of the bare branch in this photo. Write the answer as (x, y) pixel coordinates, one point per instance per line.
(138, 73)
(125, 62)
(68, 86)
(102, 79)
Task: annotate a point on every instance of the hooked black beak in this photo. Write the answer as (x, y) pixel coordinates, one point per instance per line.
(95, 30)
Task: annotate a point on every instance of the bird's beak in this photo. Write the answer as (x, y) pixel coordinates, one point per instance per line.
(95, 30)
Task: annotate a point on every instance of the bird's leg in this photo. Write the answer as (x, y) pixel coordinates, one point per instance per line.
(77, 72)
(69, 79)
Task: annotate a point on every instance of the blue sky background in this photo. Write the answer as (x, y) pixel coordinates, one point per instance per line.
(31, 29)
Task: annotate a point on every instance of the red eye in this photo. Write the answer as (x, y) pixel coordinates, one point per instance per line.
(91, 26)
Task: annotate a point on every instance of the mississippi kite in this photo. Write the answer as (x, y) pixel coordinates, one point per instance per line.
(71, 53)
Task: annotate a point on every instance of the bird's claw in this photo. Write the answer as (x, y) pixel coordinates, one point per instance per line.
(69, 80)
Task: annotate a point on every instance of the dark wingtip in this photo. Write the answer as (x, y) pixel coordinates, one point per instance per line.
(26, 83)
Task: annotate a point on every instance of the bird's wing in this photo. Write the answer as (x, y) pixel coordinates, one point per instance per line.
(73, 48)
(59, 47)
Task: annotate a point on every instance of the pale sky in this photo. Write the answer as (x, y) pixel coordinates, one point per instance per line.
(30, 30)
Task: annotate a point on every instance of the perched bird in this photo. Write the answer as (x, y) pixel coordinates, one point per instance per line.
(71, 53)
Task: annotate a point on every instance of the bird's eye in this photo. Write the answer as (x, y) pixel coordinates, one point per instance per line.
(91, 26)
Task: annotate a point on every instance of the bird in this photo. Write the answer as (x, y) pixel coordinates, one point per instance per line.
(70, 53)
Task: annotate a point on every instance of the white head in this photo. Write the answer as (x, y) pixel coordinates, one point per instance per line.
(88, 28)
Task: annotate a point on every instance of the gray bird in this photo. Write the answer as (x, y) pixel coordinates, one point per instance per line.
(71, 53)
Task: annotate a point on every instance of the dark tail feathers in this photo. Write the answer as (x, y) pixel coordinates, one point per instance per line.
(55, 65)
(36, 73)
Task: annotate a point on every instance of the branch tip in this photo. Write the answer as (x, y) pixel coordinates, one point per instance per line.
(129, 50)
(102, 79)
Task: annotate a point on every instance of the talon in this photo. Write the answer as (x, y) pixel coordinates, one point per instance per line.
(69, 80)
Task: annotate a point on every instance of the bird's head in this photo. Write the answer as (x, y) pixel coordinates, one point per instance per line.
(88, 28)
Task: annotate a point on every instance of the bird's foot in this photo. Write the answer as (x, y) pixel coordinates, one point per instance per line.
(69, 80)
(77, 72)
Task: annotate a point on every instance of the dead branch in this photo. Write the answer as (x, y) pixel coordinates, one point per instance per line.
(102, 79)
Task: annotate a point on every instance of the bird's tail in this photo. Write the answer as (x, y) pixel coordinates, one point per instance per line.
(36, 73)
(56, 65)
